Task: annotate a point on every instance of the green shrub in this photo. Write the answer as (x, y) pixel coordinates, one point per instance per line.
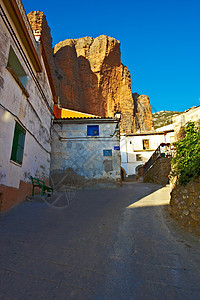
(186, 160)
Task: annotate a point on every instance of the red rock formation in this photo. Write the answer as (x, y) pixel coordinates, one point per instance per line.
(42, 33)
(95, 81)
(88, 76)
(142, 113)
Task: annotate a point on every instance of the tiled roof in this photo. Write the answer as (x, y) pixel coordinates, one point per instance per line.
(86, 118)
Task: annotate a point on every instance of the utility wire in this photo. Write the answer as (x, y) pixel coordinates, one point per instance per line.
(20, 122)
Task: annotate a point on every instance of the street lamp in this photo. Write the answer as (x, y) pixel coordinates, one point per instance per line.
(117, 115)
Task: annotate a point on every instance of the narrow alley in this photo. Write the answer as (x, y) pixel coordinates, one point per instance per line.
(107, 244)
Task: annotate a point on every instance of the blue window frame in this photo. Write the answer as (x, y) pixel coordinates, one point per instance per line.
(93, 130)
(107, 152)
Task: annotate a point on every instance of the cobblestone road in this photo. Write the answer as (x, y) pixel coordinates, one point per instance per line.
(107, 244)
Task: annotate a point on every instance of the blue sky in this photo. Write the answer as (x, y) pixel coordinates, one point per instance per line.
(160, 41)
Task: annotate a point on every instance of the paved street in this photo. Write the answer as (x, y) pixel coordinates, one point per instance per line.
(107, 244)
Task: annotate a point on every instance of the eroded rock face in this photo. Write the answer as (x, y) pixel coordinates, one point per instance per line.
(89, 77)
(42, 32)
(142, 113)
(93, 78)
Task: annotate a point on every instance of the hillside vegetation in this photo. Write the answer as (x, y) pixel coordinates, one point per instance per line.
(163, 118)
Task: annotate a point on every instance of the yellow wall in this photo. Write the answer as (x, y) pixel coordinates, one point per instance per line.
(68, 113)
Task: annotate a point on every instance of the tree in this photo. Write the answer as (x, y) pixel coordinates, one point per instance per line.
(186, 160)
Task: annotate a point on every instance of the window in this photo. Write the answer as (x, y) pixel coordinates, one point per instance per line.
(107, 152)
(18, 144)
(138, 157)
(145, 144)
(93, 130)
(16, 68)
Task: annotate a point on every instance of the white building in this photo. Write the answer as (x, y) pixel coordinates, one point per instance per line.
(26, 106)
(192, 114)
(137, 148)
(85, 152)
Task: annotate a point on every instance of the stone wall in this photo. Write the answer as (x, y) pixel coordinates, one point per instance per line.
(159, 172)
(185, 205)
(79, 160)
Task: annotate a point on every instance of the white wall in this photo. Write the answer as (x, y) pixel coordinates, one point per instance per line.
(84, 154)
(192, 114)
(32, 112)
(132, 145)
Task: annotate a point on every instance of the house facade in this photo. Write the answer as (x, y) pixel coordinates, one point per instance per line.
(85, 153)
(26, 106)
(192, 114)
(137, 148)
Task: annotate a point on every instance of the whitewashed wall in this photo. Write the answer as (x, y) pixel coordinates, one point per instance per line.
(132, 145)
(192, 114)
(82, 157)
(32, 113)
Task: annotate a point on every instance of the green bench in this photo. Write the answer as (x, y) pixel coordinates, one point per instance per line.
(41, 185)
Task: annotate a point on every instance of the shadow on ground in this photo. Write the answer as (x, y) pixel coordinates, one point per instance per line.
(106, 244)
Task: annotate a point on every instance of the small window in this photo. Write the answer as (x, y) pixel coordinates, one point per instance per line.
(138, 157)
(145, 144)
(18, 144)
(16, 68)
(107, 152)
(93, 130)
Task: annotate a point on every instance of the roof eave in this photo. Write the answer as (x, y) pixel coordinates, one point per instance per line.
(21, 28)
(85, 120)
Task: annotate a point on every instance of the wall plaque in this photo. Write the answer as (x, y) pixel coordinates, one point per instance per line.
(107, 152)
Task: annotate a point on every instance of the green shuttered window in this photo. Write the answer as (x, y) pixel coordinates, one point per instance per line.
(18, 144)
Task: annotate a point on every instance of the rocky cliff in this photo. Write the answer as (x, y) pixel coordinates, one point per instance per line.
(89, 77)
(93, 79)
(142, 113)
